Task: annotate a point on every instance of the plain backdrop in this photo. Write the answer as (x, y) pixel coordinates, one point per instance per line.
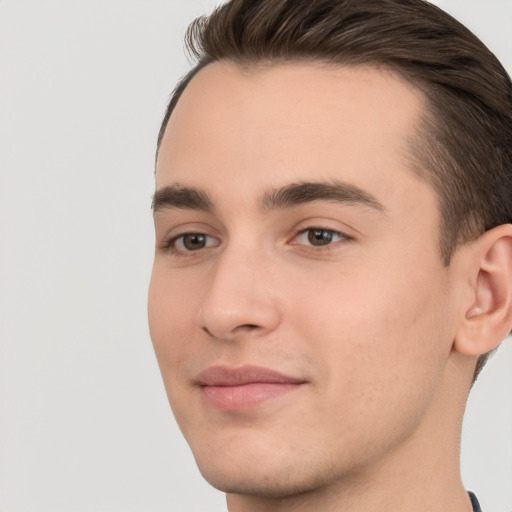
(84, 421)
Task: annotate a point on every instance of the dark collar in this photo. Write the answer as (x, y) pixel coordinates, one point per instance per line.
(474, 502)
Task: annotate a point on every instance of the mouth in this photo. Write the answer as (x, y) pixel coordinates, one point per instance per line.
(243, 388)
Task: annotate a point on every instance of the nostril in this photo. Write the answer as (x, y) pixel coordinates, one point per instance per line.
(246, 327)
(237, 330)
(227, 318)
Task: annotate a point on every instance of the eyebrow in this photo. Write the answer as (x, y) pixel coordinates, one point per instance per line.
(294, 194)
(180, 197)
(306, 192)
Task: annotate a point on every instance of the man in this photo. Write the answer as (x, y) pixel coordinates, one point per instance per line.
(333, 262)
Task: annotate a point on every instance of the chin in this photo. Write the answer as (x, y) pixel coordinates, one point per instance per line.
(282, 484)
(264, 474)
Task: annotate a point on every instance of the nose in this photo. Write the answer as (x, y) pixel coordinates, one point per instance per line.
(239, 299)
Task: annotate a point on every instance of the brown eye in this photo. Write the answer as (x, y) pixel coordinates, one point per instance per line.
(320, 237)
(189, 242)
(194, 241)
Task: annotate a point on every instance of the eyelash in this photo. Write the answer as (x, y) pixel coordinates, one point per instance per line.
(170, 245)
(330, 232)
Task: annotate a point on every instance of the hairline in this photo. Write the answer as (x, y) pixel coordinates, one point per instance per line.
(249, 64)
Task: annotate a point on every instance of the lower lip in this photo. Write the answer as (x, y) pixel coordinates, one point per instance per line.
(247, 396)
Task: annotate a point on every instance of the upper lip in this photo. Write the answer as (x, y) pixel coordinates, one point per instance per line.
(231, 376)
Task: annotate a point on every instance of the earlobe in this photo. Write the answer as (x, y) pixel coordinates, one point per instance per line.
(488, 319)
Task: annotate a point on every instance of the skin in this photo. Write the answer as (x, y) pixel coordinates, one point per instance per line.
(367, 321)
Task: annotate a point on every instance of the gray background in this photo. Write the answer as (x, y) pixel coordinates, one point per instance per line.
(84, 422)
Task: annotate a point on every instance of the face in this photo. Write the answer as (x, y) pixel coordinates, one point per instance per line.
(299, 308)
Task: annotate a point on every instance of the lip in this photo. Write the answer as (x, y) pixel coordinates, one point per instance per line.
(238, 389)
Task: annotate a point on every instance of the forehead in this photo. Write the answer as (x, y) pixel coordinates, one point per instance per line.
(275, 124)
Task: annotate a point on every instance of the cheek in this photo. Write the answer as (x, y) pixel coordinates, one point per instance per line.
(377, 330)
(170, 314)
(378, 353)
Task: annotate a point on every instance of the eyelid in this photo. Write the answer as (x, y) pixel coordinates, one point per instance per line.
(341, 234)
(170, 233)
(173, 241)
(329, 224)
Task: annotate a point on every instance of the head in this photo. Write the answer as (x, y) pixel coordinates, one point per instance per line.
(462, 146)
(333, 178)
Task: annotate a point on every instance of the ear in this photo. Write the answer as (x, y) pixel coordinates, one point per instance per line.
(488, 318)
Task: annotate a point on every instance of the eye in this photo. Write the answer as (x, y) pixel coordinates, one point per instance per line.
(319, 237)
(192, 242)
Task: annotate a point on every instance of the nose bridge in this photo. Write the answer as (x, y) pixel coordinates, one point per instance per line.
(239, 296)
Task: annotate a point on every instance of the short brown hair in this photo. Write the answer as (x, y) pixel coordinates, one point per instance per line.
(463, 145)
